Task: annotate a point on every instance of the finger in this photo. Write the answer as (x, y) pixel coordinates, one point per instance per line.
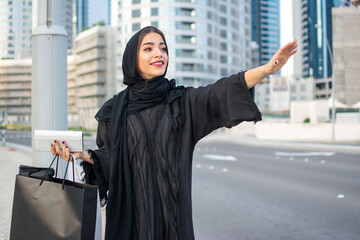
(65, 149)
(290, 46)
(57, 147)
(293, 52)
(67, 153)
(52, 149)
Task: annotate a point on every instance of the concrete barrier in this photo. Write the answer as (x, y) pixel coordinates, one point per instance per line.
(306, 132)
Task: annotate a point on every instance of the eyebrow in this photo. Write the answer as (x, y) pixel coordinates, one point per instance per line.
(151, 43)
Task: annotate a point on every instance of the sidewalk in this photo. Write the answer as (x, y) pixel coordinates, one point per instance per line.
(10, 160)
(12, 156)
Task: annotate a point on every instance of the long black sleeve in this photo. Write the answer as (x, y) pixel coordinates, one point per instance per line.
(225, 103)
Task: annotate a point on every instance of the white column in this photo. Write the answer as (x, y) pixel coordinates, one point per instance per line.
(49, 74)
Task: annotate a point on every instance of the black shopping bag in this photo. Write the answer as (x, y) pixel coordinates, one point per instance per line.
(53, 209)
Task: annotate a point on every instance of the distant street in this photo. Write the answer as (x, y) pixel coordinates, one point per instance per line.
(242, 192)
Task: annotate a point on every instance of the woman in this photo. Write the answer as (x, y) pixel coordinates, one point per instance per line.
(147, 134)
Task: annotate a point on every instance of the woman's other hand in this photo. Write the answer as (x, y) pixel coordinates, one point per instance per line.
(281, 57)
(63, 151)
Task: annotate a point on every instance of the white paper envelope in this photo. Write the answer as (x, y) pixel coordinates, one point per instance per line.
(44, 138)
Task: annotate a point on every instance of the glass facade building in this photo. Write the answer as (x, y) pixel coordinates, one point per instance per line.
(15, 29)
(316, 22)
(265, 23)
(207, 39)
(313, 30)
(90, 12)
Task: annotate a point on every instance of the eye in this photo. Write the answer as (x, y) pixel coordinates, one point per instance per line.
(164, 49)
(147, 49)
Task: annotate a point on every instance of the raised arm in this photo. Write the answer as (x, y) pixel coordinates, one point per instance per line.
(256, 75)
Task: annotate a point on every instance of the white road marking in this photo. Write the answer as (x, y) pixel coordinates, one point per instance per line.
(225, 170)
(211, 168)
(198, 165)
(303, 154)
(322, 161)
(220, 157)
(341, 196)
(306, 159)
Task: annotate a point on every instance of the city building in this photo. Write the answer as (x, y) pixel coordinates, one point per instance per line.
(312, 28)
(67, 20)
(91, 12)
(15, 29)
(15, 90)
(95, 80)
(265, 23)
(346, 45)
(206, 39)
(276, 93)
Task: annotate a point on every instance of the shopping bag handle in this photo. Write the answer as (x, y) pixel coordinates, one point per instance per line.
(71, 159)
(57, 162)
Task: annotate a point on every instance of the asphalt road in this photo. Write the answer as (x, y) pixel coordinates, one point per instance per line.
(253, 193)
(242, 192)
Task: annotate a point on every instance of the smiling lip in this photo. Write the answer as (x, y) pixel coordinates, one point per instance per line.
(157, 63)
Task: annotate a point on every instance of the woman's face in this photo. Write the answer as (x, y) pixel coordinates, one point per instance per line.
(152, 57)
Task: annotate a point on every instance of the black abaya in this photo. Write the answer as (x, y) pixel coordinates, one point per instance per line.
(160, 144)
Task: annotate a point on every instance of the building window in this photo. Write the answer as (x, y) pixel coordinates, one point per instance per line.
(223, 59)
(223, 46)
(223, 21)
(189, 12)
(223, 72)
(136, 13)
(136, 1)
(223, 8)
(154, 24)
(223, 33)
(209, 15)
(209, 41)
(209, 28)
(186, 39)
(135, 27)
(154, 11)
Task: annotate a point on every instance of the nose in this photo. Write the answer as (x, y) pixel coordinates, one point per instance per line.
(158, 52)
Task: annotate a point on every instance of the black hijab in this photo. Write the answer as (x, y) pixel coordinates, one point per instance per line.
(139, 94)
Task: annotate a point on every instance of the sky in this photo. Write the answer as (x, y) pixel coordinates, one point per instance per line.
(286, 32)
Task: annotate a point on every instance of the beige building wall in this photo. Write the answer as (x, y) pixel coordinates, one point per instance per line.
(15, 90)
(346, 46)
(94, 72)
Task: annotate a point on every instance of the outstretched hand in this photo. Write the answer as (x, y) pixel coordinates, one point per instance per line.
(281, 57)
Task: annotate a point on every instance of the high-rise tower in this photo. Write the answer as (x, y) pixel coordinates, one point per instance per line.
(207, 39)
(265, 23)
(15, 29)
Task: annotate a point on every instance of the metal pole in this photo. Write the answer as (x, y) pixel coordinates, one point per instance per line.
(49, 74)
